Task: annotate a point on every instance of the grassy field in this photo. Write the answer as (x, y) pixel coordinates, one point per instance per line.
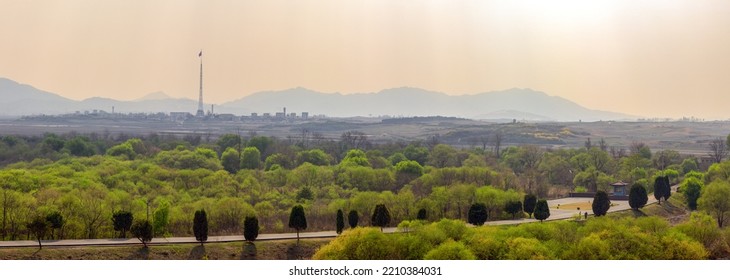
(263, 250)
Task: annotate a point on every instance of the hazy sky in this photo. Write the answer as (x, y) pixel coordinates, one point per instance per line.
(650, 58)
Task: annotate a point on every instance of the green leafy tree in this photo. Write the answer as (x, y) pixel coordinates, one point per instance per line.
(231, 161)
(142, 230)
(513, 207)
(688, 165)
(340, 221)
(250, 158)
(422, 214)
(38, 228)
(80, 147)
(662, 189)
(715, 199)
(200, 226)
(122, 221)
(297, 219)
(381, 216)
(417, 153)
(55, 222)
(353, 218)
(314, 156)
(530, 202)
(355, 158)
(637, 196)
(407, 171)
(478, 214)
(161, 219)
(305, 193)
(601, 203)
(542, 211)
(450, 250)
(229, 141)
(251, 228)
(692, 188)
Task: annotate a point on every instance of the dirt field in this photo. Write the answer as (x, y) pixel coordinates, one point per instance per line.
(685, 137)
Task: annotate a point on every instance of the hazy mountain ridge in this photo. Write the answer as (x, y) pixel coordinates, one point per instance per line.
(406, 101)
(522, 104)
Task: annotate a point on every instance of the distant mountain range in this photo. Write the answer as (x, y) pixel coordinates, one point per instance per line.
(522, 104)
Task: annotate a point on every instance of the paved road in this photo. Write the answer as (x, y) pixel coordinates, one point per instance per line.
(555, 214)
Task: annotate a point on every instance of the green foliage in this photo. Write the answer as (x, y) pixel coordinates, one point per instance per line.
(250, 158)
(250, 228)
(422, 214)
(689, 165)
(381, 216)
(200, 226)
(637, 196)
(477, 214)
(123, 150)
(305, 193)
(181, 158)
(231, 161)
(416, 153)
(530, 201)
(261, 143)
(715, 199)
(600, 238)
(521, 248)
(276, 161)
(38, 228)
(691, 188)
(352, 218)
(122, 221)
(542, 211)
(450, 250)
(314, 156)
(662, 188)
(718, 171)
(355, 158)
(55, 221)
(407, 170)
(513, 207)
(297, 219)
(600, 204)
(340, 221)
(80, 147)
(142, 230)
(231, 141)
(443, 156)
(396, 158)
(695, 174)
(161, 219)
(359, 244)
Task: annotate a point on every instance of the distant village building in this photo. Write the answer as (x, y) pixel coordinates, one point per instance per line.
(179, 116)
(305, 115)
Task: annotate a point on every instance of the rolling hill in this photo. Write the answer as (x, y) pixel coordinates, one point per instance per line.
(523, 104)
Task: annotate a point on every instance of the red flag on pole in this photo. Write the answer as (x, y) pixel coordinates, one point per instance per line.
(200, 54)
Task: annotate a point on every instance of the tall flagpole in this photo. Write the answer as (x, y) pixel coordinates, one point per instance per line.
(200, 112)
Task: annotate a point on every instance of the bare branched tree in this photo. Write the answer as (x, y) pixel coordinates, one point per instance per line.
(497, 142)
(718, 150)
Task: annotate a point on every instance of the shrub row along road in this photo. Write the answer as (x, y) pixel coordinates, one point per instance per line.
(566, 210)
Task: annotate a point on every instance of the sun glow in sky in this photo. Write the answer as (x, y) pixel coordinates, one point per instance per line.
(648, 58)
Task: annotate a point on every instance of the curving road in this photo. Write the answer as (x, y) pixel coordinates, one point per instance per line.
(555, 214)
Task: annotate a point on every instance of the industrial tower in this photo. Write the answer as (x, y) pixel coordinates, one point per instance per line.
(200, 112)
